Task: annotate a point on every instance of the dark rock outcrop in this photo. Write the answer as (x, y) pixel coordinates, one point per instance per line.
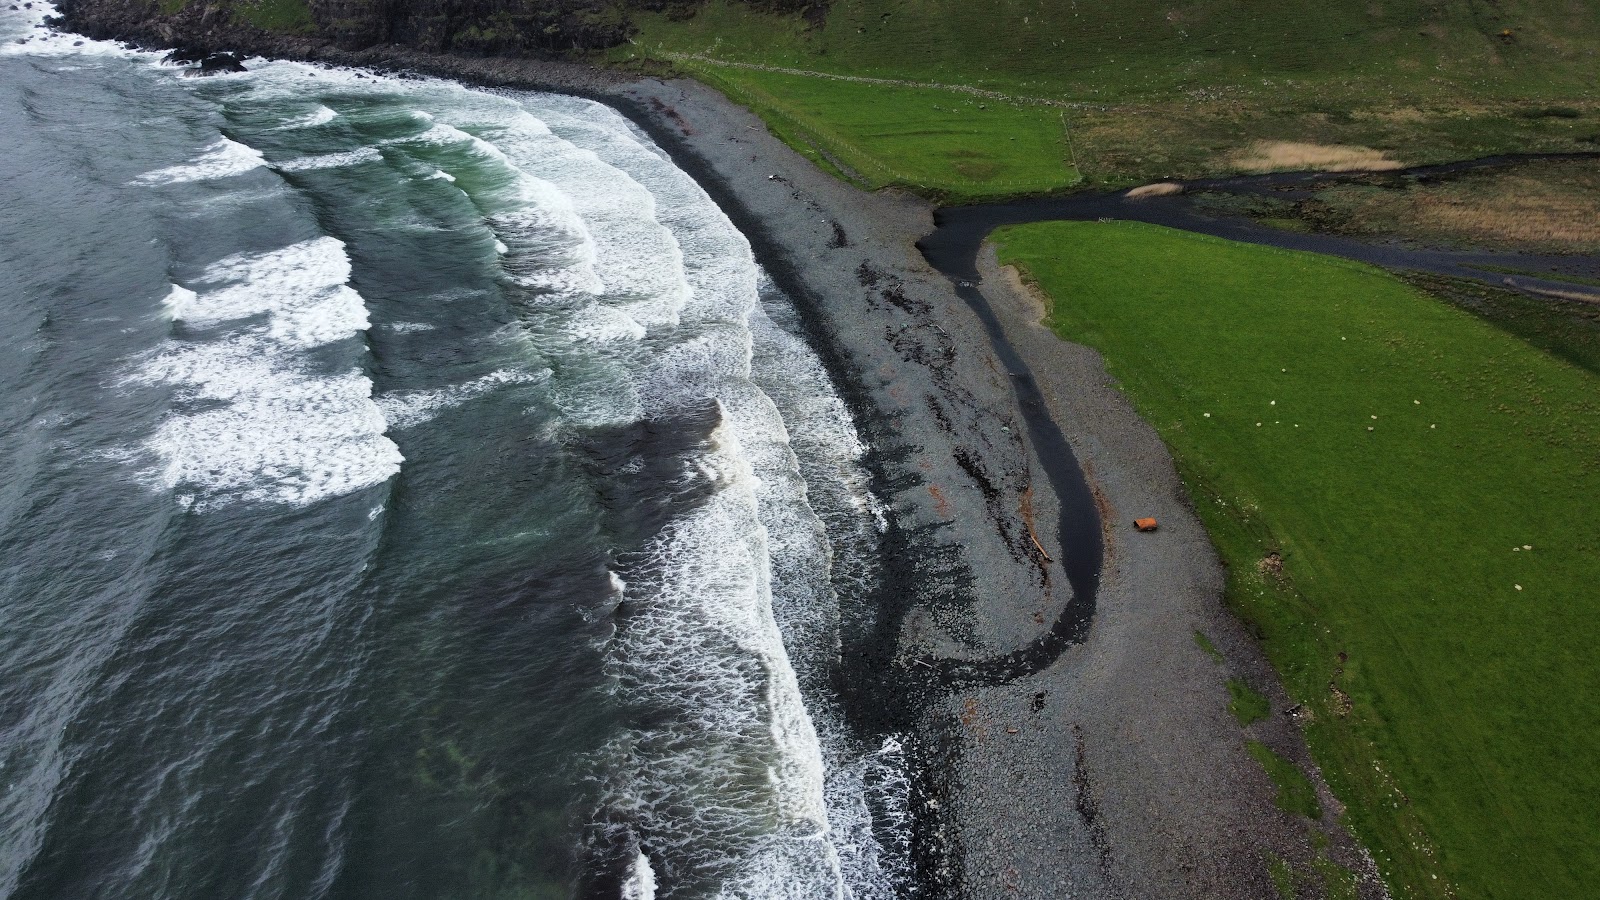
(475, 27)
(217, 63)
(525, 29)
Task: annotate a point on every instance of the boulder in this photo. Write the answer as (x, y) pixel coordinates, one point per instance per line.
(218, 63)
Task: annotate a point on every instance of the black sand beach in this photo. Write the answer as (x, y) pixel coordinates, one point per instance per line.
(1105, 764)
(1115, 770)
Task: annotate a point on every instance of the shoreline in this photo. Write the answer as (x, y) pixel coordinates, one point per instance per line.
(1113, 771)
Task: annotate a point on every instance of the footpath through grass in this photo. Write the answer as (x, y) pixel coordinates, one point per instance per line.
(1430, 483)
(1150, 89)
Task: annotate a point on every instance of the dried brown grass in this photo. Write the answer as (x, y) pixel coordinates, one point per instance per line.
(1519, 211)
(1548, 207)
(1278, 156)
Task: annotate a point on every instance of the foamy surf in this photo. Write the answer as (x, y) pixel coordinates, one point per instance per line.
(222, 158)
(300, 289)
(23, 33)
(641, 880)
(265, 429)
(644, 301)
(699, 640)
(412, 408)
(755, 559)
(256, 420)
(322, 115)
(330, 160)
(177, 300)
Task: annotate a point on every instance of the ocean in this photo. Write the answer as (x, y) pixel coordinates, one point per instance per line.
(409, 491)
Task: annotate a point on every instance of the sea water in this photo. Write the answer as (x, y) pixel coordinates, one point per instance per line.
(408, 490)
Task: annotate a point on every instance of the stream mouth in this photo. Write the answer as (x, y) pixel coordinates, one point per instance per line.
(959, 231)
(958, 237)
(1082, 553)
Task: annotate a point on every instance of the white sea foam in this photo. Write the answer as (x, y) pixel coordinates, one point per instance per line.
(269, 430)
(636, 252)
(597, 323)
(731, 590)
(23, 33)
(321, 116)
(534, 217)
(300, 287)
(699, 639)
(330, 160)
(408, 409)
(177, 300)
(222, 158)
(256, 420)
(641, 880)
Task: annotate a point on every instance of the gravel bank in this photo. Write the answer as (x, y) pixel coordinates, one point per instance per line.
(1117, 771)
(1114, 771)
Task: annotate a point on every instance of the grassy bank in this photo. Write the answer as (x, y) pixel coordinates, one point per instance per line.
(1428, 482)
(1539, 206)
(937, 142)
(1152, 90)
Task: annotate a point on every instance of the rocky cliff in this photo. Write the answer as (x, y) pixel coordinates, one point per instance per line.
(482, 28)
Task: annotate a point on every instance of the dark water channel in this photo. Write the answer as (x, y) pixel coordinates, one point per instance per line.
(960, 231)
(958, 237)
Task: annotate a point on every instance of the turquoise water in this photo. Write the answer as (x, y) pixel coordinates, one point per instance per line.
(407, 491)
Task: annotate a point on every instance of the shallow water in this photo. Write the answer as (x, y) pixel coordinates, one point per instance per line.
(408, 491)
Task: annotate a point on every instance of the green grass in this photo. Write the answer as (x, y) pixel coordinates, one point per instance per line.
(1246, 704)
(1204, 643)
(1105, 51)
(1295, 793)
(1567, 329)
(1337, 882)
(1283, 879)
(1324, 878)
(1404, 448)
(282, 16)
(1154, 89)
(936, 142)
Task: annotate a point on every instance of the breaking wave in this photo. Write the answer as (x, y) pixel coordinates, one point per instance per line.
(330, 160)
(255, 419)
(642, 304)
(411, 408)
(223, 158)
(322, 115)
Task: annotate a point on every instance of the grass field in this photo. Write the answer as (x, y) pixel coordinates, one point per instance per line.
(282, 16)
(1429, 481)
(1538, 206)
(937, 142)
(1174, 90)
(1545, 206)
